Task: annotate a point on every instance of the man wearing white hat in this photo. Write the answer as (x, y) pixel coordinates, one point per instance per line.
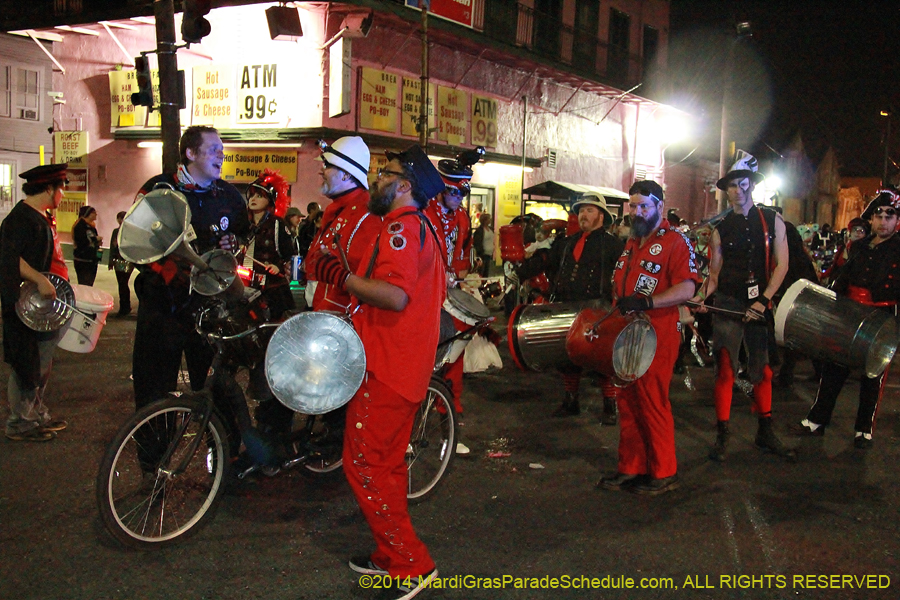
(346, 222)
(748, 262)
(580, 267)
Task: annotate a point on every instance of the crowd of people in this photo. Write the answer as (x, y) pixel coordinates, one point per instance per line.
(386, 253)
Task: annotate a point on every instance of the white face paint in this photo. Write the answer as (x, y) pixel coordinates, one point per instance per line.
(740, 192)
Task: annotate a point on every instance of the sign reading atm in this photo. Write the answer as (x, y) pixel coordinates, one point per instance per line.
(459, 11)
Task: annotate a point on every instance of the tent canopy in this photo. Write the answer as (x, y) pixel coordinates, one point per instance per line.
(560, 190)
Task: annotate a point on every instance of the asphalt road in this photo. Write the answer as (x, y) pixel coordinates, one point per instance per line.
(753, 527)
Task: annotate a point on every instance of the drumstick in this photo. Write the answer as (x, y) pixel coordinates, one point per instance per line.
(343, 255)
(716, 309)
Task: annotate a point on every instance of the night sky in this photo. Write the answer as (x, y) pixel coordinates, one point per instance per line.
(822, 69)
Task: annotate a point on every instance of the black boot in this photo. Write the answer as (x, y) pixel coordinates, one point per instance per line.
(768, 441)
(718, 451)
(570, 406)
(610, 415)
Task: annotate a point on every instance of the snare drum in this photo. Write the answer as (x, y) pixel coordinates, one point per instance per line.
(622, 347)
(465, 307)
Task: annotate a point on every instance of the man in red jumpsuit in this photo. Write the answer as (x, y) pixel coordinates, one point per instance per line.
(656, 273)
(398, 291)
(451, 220)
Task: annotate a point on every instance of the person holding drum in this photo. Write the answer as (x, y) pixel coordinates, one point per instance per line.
(580, 268)
(656, 272)
(451, 220)
(398, 288)
(748, 262)
(870, 276)
(28, 249)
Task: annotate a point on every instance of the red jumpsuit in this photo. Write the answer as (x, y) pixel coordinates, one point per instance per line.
(348, 216)
(454, 230)
(647, 438)
(400, 348)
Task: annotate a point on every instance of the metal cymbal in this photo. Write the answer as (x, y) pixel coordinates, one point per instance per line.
(43, 314)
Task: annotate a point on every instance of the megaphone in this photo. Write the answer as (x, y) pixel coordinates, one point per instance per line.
(159, 224)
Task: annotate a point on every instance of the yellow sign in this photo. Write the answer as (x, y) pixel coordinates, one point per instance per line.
(258, 94)
(452, 115)
(71, 147)
(247, 165)
(213, 96)
(122, 112)
(378, 100)
(67, 213)
(509, 196)
(411, 103)
(484, 121)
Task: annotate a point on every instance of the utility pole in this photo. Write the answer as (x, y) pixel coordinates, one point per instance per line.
(887, 144)
(423, 89)
(169, 93)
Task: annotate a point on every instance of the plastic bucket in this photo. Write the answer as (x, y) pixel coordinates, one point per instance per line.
(82, 331)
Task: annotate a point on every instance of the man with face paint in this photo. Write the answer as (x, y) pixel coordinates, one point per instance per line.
(165, 319)
(448, 214)
(870, 276)
(397, 291)
(748, 262)
(655, 274)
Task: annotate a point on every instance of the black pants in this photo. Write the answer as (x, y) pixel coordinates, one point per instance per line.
(86, 271)
(833, 379)
(122, 278)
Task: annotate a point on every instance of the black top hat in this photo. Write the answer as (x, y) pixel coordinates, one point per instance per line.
(745, 165)
(424, 176)
(49, 174)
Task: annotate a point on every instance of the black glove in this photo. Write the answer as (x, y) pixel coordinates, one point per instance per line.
(636, 303)
(328, 269)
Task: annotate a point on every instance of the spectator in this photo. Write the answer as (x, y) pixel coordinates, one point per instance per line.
(87, 252)
(122, 267)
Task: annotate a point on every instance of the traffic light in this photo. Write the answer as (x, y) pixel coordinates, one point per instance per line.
(144, 95)
(193, 26)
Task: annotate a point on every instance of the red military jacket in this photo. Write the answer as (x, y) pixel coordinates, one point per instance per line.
(347, 216)
(664, 261)
(401, 346)
(454, 229)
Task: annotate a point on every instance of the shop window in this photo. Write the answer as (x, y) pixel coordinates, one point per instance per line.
(4, 91)
(27, 95)
(587, 16)
(651, 47)
(7, 183)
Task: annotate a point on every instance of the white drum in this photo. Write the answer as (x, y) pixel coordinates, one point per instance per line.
(465, 307)
(82, 331)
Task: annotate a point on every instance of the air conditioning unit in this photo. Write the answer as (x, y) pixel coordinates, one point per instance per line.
(28, 114)
(551, 157)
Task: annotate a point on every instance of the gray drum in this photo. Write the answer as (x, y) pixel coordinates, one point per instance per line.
(46, 314)
(315, 362)
(536, 333)
(823, 325)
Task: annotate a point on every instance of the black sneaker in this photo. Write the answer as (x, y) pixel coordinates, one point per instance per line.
(862, 442)
(407, 587)
(619, 481)
(364, 565)
(655, 487)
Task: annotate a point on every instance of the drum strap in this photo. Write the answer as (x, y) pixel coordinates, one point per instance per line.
(768, 250)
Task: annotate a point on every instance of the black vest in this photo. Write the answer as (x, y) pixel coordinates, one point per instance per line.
(744, 251)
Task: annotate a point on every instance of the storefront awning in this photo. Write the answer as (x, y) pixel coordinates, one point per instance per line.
(562, 191)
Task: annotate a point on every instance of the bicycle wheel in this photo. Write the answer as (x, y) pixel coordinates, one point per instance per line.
(432, 445)
(323, 446)
(154, 485)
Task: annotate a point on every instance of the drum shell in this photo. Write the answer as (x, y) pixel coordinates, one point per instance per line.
(622, 347)
(512, 243)
(823, 325)
(465, 307)
(536, 333)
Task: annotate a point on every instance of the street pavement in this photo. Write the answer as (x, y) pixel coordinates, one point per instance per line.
(825, 526)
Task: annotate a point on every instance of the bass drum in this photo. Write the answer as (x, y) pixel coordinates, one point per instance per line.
(536, 333)
(622, 347)
(823, 325)
(315, 362)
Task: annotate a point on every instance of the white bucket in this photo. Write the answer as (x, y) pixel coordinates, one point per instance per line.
(82, 331)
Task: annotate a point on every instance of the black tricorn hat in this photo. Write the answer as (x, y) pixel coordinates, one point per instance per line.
(883, 197)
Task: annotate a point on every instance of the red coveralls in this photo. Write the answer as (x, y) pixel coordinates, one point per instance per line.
(454, 231)
(348, 216)
(647, 429)
(400, 349)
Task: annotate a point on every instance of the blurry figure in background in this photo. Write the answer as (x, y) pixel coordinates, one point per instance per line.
(308, 228)
(857, 229)
(580, 267)
(483, 243)
(623, 228)
(29, 247)
(88, 252)
(292, 220)
(122, 267)
(451, 220)
(870, 276)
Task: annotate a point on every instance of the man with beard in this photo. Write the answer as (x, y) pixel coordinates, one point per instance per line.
(655, 274)
(398, 291)
(165, 319)
(870, 276)
(748, 262)
(580, 268)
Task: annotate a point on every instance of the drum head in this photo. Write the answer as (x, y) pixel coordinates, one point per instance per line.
(220, 276)
(634, 350)
(467, 304)
(315, 362)
(41, 314)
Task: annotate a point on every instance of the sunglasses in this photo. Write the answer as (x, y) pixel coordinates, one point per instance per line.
(887, 212)
(455, 192)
